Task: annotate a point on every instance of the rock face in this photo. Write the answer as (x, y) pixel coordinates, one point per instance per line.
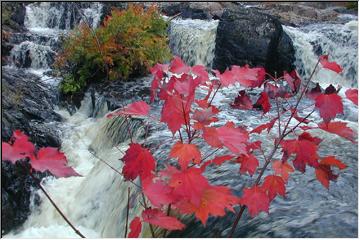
(246, 36)
(16, 194)
(194, 10)
(28, 105)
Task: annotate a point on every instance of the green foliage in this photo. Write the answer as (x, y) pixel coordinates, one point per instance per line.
(352, 5)
(127, 44)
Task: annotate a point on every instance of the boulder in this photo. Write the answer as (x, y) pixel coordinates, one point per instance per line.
(193, 10)
(246, 36)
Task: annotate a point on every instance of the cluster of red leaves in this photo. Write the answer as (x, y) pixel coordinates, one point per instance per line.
(182, 187)
(44, 159)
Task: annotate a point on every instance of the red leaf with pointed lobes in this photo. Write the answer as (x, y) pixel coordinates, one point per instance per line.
(135, 228)
(20, 149)
(263, 102)
(138, 162)
(274, 185)
(283, 169)
(248, 163)
(314, 92)
(264, 126)
(254, 146)
(172, 112)
(305, 148)
(242, 101)
(178, 66)
(158, 193)
(293, 80)
(205, 116)
(139, 108)
(274, 91)
(248, 77)
(234, 138)
(158, 72)
(226, 78)
(214, 201)
(185, 85)
(329, 106)
(333, 66)
(158, 218)
(324, 173)
(340, 129)
(256, 200)
(221, 159)
(188, 184)
(210, 135)
(352, 95)
(185, 153)
(51, 159)
(201, 72)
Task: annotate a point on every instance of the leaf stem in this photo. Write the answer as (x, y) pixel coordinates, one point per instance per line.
(127, 212)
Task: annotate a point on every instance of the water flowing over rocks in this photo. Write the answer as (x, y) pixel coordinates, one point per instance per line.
(247, 36)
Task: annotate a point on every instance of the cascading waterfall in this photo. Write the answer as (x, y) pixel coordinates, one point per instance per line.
(193, 40)
(340, 41)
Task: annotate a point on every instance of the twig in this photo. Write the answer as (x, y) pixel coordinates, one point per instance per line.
(168, 214)
(127, 213)
(55, 206)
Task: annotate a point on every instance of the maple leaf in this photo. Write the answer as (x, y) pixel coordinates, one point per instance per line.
(205, 116)
(256, 200)
(293, 80)
(20, 149)
(305, 149)
(274, 185)
(139, 108)
(234, 138)
(314, 92)
(214, 201)
(226, 78)
(283, 169)
(340, 129)
(135, 228)
(248, 77)
(138, 162)
(274, 91)
(352, 95)
(51, 159)
(158, 218)
(324, 173)
(333, 66)
(175, 111)
(157, 192)
(188, 184)
(185, 153)
(264, 126)
(200, 71)
(329, 104)
(263, 102)
(210, 135)
(249, 163)
(242, 101)
(185, 85)
(178, 66)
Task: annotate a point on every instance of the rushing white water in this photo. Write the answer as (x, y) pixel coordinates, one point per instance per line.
(193, 40)
(339, 41)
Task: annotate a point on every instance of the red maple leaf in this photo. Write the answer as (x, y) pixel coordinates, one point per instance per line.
(340, 129)
(275, 91)
(205, 116)
(305, 148)
(249, 163)
(51, 159)
(248, 77)
(283, 169)
(188, 184)
(185, 153)
(138, 162)
(352, 95)
(214, 201)
(264, 126)
(201, 73)
(178, 66)
(139, 108)
(256, 200)
(158, 218)
(314, 92)
(20, 149)
(329, 104)
(274, 185)
(234, 138)
(324, 173)
(293, 80)
(333, 66)
(226, 78)
(263, 102)
(210, 135)
(242, 101)
(135, 228)
(158, 193)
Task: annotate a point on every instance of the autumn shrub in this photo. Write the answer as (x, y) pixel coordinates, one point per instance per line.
(127, 44)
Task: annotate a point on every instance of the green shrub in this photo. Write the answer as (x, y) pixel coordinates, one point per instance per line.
(127, 44)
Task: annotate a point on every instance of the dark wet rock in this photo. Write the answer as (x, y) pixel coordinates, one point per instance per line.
(28, 105)
(17, 193)
(194, 10)
(247, 36)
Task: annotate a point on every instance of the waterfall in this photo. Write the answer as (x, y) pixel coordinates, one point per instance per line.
(193, 40)
(339, 41)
